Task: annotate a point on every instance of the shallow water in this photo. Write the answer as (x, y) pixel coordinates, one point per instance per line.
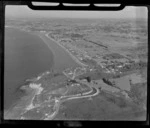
(26, 56)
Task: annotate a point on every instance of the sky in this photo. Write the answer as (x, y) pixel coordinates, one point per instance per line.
(26, 12)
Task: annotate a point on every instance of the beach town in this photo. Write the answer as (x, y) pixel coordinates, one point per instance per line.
(90, 64)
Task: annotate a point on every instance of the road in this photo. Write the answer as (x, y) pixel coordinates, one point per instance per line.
(73, 57)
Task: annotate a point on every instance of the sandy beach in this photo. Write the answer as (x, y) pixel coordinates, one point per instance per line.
(62, 59)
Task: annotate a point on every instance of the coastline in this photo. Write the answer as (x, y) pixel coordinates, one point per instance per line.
(73, 57)
(42, 36)
(22, 62)
(29, 32)
(62, 58)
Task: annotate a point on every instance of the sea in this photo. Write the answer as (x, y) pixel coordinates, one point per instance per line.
(25, 56)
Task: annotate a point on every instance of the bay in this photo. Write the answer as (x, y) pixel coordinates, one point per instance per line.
(26, 56)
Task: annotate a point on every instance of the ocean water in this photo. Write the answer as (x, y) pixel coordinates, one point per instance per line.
(26, 56)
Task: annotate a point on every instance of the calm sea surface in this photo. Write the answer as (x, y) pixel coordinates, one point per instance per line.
(26, 56)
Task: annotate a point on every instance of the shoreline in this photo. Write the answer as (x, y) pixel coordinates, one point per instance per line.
(71, 60)
(13, 82)
(40, 35)
(35, 34)
(73, 57)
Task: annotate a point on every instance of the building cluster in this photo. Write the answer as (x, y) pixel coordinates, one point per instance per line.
(114, 66)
